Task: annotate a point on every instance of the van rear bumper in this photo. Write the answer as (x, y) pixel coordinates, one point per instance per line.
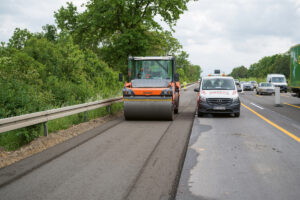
(283, 88)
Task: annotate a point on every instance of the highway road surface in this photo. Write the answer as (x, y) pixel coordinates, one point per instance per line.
(255, 156)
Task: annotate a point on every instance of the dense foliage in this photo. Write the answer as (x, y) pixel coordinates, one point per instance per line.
(115, 29)
(39, 74)
(187, 71)
(239, 72)
(276, 64)
(78, 59)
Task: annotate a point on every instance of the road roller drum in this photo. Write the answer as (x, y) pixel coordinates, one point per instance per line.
(150, 109)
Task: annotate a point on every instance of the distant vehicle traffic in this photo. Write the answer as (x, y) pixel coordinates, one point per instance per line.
(241, 84)
(247, 86)
(278, 80)
(295, 69)
(218, 94)
(265, 88)
(254, 83)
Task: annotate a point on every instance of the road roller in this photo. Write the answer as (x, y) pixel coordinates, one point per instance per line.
(151, 91)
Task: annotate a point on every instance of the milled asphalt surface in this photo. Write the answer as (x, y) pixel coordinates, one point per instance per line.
(243, 158)
(131, 160)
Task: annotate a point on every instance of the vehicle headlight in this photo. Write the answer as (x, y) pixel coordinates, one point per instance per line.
(167, 92)
(236, 100)
(127, 92)
(202, 99)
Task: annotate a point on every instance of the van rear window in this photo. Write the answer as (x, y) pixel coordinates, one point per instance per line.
(278, 79)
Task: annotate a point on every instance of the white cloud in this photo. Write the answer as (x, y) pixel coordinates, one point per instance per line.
(30, 14)
(225, 34)
(221, 54)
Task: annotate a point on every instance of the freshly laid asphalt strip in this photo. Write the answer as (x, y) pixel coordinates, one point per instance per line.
(163, 169)
(133, 160)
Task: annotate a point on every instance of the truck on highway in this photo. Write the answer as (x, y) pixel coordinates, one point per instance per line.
(295, 69)
(152, 88)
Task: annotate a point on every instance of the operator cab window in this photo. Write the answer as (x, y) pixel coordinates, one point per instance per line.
(150, 69)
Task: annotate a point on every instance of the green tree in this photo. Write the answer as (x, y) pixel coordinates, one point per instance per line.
(19, 38)
(66, 18)
(239, 72)
(278, 63)
(50, 32)
(115, 29)
(187, 71)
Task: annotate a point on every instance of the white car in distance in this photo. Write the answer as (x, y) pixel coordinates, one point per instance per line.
(265, 88)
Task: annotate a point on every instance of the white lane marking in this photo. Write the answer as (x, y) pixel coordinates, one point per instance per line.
(257, 106)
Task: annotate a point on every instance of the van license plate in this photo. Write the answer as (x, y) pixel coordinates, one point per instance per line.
(219, 108)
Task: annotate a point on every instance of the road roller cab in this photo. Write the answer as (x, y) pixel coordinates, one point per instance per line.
(152, 88)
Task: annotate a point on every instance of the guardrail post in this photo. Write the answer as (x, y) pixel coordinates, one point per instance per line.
(108, 108)
(85, 116)
(45, 129)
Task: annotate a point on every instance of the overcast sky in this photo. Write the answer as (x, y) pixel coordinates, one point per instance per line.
(219, 34)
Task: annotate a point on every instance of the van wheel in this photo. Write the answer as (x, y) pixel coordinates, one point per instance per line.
(176, 103)
(237, 114)
(176, 110)
(171, 118)
(200, 114)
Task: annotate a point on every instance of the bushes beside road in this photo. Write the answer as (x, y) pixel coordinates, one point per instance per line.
(37, 74)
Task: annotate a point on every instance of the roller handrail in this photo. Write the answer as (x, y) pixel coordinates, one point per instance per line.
(13, 123)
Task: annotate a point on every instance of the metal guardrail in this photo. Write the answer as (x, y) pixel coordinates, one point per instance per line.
(13, 123)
